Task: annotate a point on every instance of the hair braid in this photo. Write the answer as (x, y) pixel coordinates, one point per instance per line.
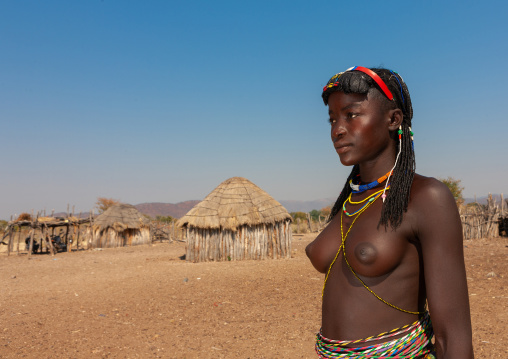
(397, 198)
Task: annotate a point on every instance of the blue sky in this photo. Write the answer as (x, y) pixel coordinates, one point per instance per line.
(160, 101)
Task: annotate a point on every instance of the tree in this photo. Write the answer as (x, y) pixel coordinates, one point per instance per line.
(455, 187)
(164, 219)
(325, 211)
(315, 214)
(297, 215)
(103, 203)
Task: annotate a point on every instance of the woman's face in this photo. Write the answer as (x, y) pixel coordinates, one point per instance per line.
(359, 127)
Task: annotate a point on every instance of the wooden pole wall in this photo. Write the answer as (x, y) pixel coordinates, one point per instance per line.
(246, 242)
(479, 222)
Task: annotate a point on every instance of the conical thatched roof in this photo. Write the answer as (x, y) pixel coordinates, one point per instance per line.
(121, 217)
(235, 202)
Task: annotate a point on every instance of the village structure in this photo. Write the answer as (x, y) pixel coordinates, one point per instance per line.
(120, 225)
(51, 234)
(236, 221)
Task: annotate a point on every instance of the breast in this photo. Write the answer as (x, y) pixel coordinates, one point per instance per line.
(366, 253)
(377, 256)
(323, 249)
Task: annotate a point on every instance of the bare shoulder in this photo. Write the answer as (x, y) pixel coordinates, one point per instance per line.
(428, 190)
(433, 208)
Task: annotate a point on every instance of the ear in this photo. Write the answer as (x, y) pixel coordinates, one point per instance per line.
(395, 119)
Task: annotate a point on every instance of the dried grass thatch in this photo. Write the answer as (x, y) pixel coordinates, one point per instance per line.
(237, 221)
(45, 219)
(119, 225)
(235, 202)
(121, 217)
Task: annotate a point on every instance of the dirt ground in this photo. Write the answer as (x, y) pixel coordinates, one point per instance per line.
(146, 302)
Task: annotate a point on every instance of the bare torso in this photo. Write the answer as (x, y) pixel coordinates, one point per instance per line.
(388, 261)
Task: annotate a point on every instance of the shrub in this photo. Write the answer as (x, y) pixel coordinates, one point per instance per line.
(301, 215)
(455, 187)
(164, 219)
(104, 203)
(24, 217)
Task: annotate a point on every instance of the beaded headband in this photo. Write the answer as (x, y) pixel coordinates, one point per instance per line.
(334, 81)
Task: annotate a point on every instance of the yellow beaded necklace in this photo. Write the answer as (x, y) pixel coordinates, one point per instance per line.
(370, 199)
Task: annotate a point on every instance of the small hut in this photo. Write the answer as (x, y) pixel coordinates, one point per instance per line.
(119, 225)
(236, 221)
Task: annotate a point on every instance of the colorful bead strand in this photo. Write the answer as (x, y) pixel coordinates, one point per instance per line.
(357, 188)
(416, 343)
(369, 199)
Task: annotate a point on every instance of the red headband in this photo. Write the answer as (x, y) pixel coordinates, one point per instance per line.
(376, 78)
(335, 79)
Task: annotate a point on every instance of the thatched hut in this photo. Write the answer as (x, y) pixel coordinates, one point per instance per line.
(237, 220)
(119, 225)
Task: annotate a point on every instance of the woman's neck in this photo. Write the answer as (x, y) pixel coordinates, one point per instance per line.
(371, 171)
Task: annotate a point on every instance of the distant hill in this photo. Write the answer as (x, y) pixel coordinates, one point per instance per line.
(177, 210)
(307, 206)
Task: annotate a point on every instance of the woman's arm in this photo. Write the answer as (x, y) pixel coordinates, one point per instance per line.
(439, 231)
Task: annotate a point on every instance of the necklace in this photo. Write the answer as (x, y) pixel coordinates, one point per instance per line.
(369, 200)
(359, 188)
(343, 238)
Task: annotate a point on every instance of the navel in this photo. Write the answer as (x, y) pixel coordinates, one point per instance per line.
(366, 253)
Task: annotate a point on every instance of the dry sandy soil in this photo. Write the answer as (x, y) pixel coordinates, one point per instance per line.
(146, 302)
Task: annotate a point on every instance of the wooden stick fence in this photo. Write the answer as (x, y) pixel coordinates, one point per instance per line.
(483, 221)
(161, 231)
(309, 225)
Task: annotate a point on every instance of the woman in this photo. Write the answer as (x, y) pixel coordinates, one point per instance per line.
(392, 251)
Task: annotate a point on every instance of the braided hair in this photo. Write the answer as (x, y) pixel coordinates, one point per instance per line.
(397, 198)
